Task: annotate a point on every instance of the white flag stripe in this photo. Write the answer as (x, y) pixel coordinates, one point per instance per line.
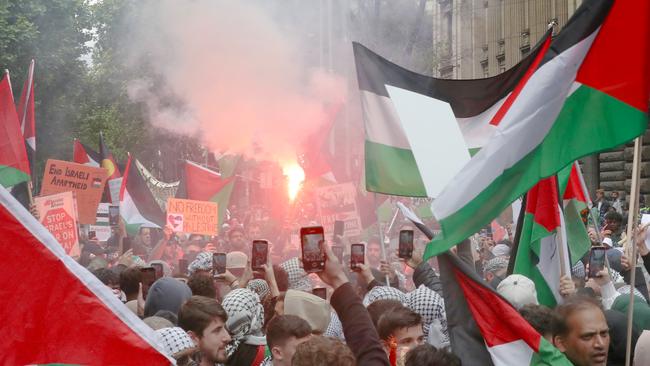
(434, 135)
(381, 121)
(516, 353)
(523, 128)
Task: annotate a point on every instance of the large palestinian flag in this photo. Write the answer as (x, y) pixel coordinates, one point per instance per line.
(14, 164)
(138, 207)
(583, 98)
(538, 255)
(82, 154)
(421, 130)
(58, 312)
(484, 329)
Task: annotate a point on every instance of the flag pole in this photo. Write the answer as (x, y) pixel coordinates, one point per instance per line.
(631, 221)
(29, 183)
(562, 244)
(381, 234)
(515, 244)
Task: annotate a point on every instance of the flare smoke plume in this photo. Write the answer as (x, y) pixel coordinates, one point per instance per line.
(236, 78)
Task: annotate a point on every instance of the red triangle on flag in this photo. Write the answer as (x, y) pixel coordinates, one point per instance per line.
(58, 312)
(542, 202)
(202, 184)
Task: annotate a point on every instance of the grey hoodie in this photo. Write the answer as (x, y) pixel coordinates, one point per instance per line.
(166, 293)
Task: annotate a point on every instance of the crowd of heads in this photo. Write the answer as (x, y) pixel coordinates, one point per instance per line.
(273, 316)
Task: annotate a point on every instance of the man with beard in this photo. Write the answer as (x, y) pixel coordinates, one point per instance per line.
(237, 240)
(204, 320)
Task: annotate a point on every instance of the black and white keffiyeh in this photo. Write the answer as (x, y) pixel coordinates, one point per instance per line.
(202, 262)
(335, 328)
(245, 318)
(383, 293)
(298, 278)
(260, 287)
(173, 340)
(430, 306)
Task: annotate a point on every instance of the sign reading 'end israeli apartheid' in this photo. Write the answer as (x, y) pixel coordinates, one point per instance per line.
(85, 181)
(196, 217)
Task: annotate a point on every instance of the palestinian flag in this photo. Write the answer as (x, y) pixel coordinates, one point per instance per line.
(484, 329)
(59, 312)
(202, 184)
(28, 128)
(538, 254)
(14, 164)
(575, 195)
(138, 207)
(82, 154)
(583, 98)
(412, 121)
(26, 114)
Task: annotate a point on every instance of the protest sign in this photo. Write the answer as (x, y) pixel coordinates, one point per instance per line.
(87, 182)
(338, 202)
(196, 217)
(102, 228)
(58, 213)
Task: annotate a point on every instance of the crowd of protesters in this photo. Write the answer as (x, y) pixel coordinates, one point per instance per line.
(272, 317)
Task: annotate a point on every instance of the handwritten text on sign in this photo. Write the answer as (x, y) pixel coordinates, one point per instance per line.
(191, 216)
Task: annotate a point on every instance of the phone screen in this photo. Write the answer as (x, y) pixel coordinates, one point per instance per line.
(219, 263)
(338, 252)
(320, 292)
(405, 244)
(260, 254)
(313, 256)
(182, 266)
(596, 260)
(113, 215)
(158, 267)
(357, 255)
(148, 278)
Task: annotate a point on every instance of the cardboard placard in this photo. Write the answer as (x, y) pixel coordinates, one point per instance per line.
(190, 216)
(85, 181)
(58, 213)
(339, 202)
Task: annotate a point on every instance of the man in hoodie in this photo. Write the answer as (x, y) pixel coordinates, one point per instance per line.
(166, 293)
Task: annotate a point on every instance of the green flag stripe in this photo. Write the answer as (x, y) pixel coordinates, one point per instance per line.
(10, 176)
(392, 170)
(592, 119)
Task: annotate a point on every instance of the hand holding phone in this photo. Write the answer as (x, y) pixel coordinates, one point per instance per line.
(260, 254)
(158, 267)
(338, 252)
(357, 255)
(313, 249)
(339, 226)
(219, 263)
(597, 257)
(148, 278)
(405, 250)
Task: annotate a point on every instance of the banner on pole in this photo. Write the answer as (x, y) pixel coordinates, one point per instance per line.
(58, 213)
(85, 181)
(338, 202)
(190, 216)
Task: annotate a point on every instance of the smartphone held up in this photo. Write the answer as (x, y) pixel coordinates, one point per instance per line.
(260, 254)
(312, 241)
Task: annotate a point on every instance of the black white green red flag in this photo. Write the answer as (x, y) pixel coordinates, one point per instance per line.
(583, 98)
(484, 329)
(59, 312)
(14, 164)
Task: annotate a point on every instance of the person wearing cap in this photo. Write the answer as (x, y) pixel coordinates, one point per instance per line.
(518, 290)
